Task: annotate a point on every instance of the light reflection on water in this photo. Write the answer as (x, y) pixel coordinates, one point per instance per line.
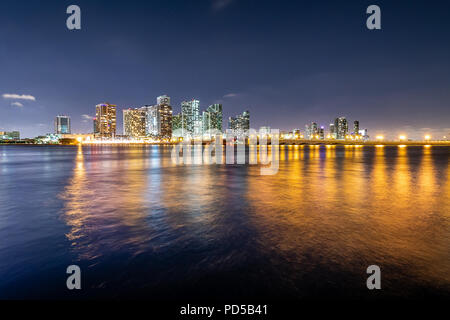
(140, 226)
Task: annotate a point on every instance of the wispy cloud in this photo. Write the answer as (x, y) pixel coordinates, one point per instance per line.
(17, 104)
(218, 5)
(18, 96)
(86, 117)
(230, 95)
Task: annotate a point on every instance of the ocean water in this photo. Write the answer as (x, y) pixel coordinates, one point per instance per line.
(142, 227)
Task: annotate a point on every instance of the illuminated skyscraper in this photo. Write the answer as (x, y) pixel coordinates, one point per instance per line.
(212, 118)
(307, 131)
(321, 133)
(105, 119)
(356, 127)
(62, 125)
(177, 126)
(134, 122)
(159, 119)
(332, 131)
(312, 131)
(341, 127)
(95, 122)
(165, 117)
(240, 124)
(191, 121)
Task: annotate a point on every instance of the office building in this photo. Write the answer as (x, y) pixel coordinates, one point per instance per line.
(341, 128)
(332, 129)
(240, 124)
(212, 118)
(177, 126)
(134, 122)
(105, 120)
(321, 133)
(312, 131)
(164, 117)
(159, 118)
(191, 122)
(356, 127)
(62, 125)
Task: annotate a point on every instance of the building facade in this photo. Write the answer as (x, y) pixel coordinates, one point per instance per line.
(105, 120)
(240, 124)
(134, 122)
(165, 114)
(177, 126)
(159, 119)
(341, 128)
(356, 127)
(62, 125)
(212, 118)
(191, 121)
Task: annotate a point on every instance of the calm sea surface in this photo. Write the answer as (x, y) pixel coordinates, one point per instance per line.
(142, 227)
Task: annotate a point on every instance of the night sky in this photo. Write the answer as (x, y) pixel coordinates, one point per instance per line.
(287, 62)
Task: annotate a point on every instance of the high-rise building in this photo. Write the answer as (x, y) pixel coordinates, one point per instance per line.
(165, 117)
(341, 128)
(245, 120)
(321, 133)
(134, 122)
(240, 124)
(192, 124)
(332, 131)
(159, 118)
(307, 131)
(62, 125)
(95, 122)
(177, 126)
(105, 119)
(356, 127)
(212, 118)
(312, 131)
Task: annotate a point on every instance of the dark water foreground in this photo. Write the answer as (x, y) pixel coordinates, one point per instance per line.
(141, 227)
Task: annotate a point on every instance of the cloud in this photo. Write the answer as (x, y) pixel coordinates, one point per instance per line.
(230, 95)
(86, 117)
(218, 5)
(17, 104)
(18, 96)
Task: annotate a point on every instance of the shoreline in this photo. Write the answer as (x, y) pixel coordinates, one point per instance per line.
(281, 143)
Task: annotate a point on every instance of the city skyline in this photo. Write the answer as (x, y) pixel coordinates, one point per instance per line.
(323, 131)
(310, 70)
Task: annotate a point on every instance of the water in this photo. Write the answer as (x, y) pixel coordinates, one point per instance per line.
(141, 227)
